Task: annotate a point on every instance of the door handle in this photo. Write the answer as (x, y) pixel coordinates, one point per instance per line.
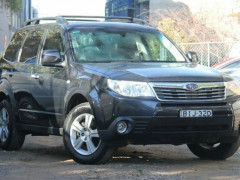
(35, 76)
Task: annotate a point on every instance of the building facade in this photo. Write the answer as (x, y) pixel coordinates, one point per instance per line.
(141, 9)
(221, 15)
(120, 8)
(128, 8)
(10, 22)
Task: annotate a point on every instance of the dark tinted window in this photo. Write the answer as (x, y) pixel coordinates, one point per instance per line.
(30, 47)
(14, 46)
(53, 41)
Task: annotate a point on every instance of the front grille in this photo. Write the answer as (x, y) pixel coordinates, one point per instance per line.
(183, 94)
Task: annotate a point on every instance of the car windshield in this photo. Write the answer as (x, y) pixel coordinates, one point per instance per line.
(112, 45)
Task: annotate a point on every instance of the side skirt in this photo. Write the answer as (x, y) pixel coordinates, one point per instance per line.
(39, 130)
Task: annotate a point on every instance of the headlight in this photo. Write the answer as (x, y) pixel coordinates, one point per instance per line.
(130, 88)
(232, 88)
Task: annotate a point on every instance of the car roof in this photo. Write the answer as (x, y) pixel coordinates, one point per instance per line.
(109, 25)
(91, 24)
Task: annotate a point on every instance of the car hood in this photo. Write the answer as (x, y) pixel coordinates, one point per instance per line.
(156, 72)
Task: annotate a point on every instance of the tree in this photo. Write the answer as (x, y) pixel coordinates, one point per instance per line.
(173, 29)
(182, 26)
(14, 5)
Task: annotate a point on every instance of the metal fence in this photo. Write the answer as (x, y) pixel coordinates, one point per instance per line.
(210, 53)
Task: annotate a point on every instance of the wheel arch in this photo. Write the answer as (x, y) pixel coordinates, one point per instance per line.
(3, 96)
(20, 94)
(73, 101)
(77, 97)
(7, 93)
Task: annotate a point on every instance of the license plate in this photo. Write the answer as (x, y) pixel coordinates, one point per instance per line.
(195, 113)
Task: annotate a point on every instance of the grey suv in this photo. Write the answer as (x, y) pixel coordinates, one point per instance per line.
(105, 82)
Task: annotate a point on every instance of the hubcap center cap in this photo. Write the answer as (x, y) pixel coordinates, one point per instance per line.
(85, 134)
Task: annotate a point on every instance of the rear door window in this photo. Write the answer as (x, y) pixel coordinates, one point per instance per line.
(14, 46)
(31, 46)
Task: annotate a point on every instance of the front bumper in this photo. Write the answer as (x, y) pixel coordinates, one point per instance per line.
(153, 122)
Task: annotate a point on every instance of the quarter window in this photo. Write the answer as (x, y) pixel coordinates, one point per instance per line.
(30, 47)
(14, 46)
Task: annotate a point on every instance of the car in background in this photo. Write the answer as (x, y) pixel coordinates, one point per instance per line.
(231, 63)
(230, 66)
(232, 72)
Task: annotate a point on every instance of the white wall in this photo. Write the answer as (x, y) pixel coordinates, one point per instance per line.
(4, 26)
(10, 23)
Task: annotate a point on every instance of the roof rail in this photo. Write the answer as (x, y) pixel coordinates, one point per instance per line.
(35, 21)
(65, 19)
(106, 18)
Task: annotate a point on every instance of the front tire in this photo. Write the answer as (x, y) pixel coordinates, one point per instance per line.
(10, 137)
(81, 137)
(219, 151)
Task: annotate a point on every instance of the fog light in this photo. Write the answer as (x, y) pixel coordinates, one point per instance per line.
(121, 127)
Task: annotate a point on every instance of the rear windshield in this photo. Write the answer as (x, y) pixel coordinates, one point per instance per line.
(108, 45)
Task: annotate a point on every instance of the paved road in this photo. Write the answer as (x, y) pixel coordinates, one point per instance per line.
(45, 158)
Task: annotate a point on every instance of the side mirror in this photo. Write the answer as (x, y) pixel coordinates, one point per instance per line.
(51, 58)
(192, 56)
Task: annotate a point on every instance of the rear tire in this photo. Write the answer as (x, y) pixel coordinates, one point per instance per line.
(81, 137)
(10, 137)
(218, 151)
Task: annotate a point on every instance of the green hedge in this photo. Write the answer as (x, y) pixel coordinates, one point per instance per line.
(14, 5)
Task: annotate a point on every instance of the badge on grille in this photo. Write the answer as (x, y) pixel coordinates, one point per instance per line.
(191, 87)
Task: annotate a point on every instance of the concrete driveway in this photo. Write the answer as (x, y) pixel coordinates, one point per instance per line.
(45, 158)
